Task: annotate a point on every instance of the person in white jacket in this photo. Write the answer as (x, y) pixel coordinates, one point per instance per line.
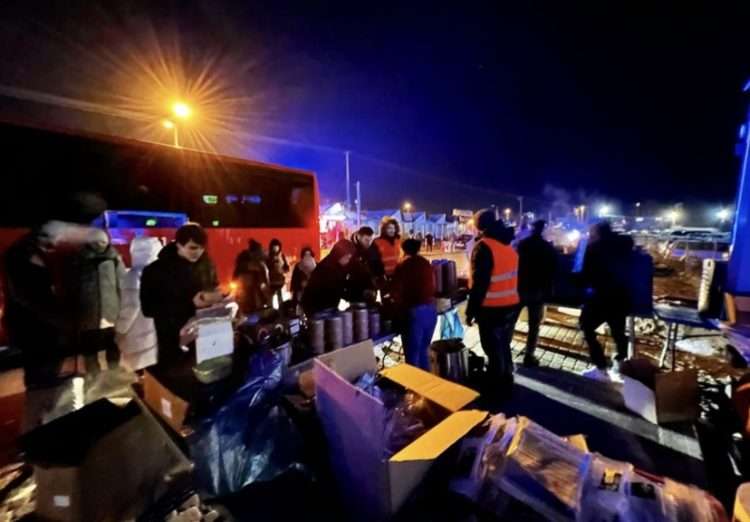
(136, 334)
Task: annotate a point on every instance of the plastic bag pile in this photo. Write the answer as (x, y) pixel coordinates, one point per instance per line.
(516, 460)
(250, 438)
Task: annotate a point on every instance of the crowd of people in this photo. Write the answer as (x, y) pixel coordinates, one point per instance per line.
(84, 300)
(505, 280)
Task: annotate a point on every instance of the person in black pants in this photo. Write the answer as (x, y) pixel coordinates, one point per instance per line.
(493, 300)
(607, 268)
(537, 264)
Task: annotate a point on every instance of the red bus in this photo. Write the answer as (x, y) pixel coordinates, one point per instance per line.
(147, 188)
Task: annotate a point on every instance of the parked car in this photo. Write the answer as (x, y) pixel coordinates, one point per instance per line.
(686, 250)
(462, 241)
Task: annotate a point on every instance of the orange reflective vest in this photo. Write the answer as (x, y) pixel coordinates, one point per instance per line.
(390, 254)
(503, 290)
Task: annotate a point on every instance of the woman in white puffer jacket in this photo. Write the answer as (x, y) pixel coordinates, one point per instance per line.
(136, 334)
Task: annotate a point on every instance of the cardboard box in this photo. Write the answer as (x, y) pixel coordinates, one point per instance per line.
(103, 462)
(354, 424)
(673, 398)
(170, 407)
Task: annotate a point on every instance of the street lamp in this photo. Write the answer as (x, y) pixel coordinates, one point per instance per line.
(407, 206)
(180, 111)
(604, 210)
(723, 215)
(507, 212)
(637, 209)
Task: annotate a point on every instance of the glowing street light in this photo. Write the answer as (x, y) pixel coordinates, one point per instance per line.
(507, 212)
(407, 206)
(723, 214)
(181, 110)
(605, 210)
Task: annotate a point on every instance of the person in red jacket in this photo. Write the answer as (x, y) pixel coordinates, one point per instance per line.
(413, 291)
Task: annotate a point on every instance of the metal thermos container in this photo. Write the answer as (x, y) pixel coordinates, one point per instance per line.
(347, 326)
(450, 280)
(449, 358)
(317, 336)
(437, 270)
(361, 325)
(374, 323)
(334, 333)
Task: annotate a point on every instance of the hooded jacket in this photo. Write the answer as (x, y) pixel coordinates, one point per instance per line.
(136, 333)
(168, 286)
(537, 265)
(608, 268)
(366, 267)
(329, 281)
(481, 269)
(278, 266)
(301, 276)
(33, 314)
(94, 280)
(252, 277)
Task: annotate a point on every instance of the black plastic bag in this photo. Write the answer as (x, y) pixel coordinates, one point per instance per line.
(250, 438)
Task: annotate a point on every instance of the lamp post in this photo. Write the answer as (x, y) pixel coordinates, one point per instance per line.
(180, 112)
(507, 213)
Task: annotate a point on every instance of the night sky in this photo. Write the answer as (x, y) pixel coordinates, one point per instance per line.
(447, 107)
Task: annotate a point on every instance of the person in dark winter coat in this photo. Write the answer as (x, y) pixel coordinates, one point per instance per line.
(278, 268)
(181, 280)
(537, 264)
(34, 315)
(606, 275)
(413, 292)
(301, 274)
(328, 282)
(252, 278)
(366, 269)
(94, 293)
(493, 298)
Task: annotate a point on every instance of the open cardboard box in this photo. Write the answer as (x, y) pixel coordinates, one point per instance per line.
(354, 424)
(105, 461)
(673, 397)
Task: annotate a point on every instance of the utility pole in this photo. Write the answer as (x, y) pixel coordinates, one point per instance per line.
(359, 206)
(520, 208)
(348, 191)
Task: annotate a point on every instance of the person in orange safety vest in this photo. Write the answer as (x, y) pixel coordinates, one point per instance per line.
(389, 245)
(493, 299)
